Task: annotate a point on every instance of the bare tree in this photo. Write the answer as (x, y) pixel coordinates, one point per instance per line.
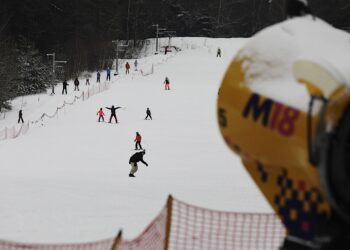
(127, 21)
(219, 12)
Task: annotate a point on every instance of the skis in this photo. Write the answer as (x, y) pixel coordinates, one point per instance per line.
(108, 122)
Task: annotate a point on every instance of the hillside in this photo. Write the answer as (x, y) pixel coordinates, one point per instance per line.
(67, 181)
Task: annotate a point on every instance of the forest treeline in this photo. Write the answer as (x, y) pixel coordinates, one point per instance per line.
(81, 32)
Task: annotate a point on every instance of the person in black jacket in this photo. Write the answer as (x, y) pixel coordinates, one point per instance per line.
(113, 109)
(20, 116)
(218, 53)
(148, 112)
(65, 84)
(98, 77)
(134, 159)
(76, 84)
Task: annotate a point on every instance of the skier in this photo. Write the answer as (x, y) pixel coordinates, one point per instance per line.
(101, 115)
(20, 116)
(218, 53)
(98, 76)
(127, 67)
(148, 112)
(87, 82)
(296, 8)
(76, 84)
(134, 159)
(135, 64)
(108, 74)
(138, 141)
(167, 83)
(113, 109)
(65, 84)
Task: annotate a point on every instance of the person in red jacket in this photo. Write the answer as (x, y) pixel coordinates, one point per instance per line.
(127, 67)
(167, 83)
(138, 141)
(101, 115)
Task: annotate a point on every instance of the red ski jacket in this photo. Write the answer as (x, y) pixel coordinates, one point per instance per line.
(100, 113)
(138, 138)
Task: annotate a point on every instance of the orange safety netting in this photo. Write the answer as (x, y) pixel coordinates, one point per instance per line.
(151, 238)
(197, 228)
(181, 226)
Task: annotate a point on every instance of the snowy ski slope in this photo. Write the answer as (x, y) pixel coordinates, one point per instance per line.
(67, 181)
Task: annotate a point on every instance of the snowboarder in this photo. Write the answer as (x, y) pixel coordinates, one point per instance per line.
(108, 78)
(127, 67)
(167, 83)
(138, 141)
(148, 112)
(20, 116)
(65, 84)
(296, 8)
(101, 115)
(87, 82)
(218, 53)
(134, 159)
(76, 84)
(135, 64)
(113, 109)
(98, 77)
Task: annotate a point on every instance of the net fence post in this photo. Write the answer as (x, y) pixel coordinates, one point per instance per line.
(169, 207)
(117, 240)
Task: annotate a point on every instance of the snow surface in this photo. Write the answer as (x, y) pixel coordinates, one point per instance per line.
(67, 181)
(270, 55)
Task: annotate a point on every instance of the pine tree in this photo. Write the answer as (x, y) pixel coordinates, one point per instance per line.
(7, 73)
(32, 76)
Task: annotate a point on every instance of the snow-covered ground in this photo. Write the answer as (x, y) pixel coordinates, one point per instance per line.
(67, 181)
